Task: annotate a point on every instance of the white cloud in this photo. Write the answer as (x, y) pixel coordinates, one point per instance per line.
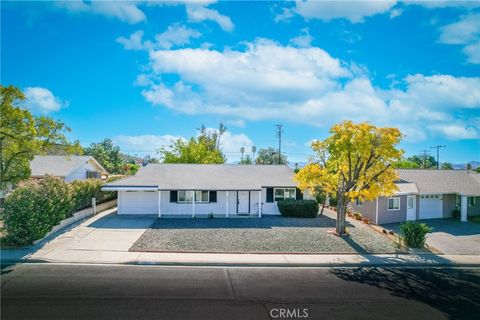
(42, 100)
(354, 11)
(134, 42)
(304, 40)
(457, 131)
(199, 12)
(465, 32)
(176, 35)
(122, 10)
(285, 15)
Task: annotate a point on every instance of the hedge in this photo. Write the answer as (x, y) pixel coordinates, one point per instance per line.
(298, 208)
(36, 206)
(414, 233)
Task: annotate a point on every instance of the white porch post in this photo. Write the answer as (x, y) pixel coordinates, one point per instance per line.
(463, 209)
(159, 203)
(226, 202)
(193, 205)
(260, 203)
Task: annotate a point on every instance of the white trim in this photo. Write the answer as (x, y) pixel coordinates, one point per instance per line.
(463, 209)
(413, 208)
(113, 188)
(260, 204)
(394, 198)
(295, 193)
(227, 200)
(194, 196)
(474, 201)
(159, 203)
(376, 211)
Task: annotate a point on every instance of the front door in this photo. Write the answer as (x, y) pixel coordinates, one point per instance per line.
(411, 204)
(243, 202)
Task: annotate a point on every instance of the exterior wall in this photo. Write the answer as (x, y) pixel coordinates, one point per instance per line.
(474, 210)
(81, 172)
(448, 205)
(367, 209)
(391, 216)
(137, 202)
(268, 207)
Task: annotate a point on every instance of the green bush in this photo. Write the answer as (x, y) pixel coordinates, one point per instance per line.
(333, 201)
(298, 208)
(414, 233)
(34, 208)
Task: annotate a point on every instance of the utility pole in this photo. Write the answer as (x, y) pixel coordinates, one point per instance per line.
(424, 157)
(438, 154)
(279, 136)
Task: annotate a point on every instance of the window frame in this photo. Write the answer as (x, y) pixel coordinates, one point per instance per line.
(413, 202)
(394, 199)
(284, 189)
(194, 196)
(472, 203)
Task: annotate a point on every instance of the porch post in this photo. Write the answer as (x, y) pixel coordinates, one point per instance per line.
(193, 205)
(463, 209)
(260, 203)
(159, 203)
(226, 202)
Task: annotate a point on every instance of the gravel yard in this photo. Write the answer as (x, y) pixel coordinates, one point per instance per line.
(268, 234)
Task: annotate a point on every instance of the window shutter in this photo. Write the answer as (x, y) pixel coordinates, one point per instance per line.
(213, 196)
(173, 196)
(269, 194)
(299, 195)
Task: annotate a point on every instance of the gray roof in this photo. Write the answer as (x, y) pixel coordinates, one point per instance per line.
(208, 177)
(59, 166)
(406, 188)
(431, 181)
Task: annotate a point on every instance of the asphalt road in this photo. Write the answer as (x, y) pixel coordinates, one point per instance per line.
(47, 291)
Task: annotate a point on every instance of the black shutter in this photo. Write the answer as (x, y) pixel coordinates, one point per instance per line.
(173, 196)
(299, 194)
(269, 194)
(213, 196)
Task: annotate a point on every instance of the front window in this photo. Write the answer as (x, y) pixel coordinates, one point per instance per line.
(187, 196)
(394, 203)
(471, 201)
(285, 193)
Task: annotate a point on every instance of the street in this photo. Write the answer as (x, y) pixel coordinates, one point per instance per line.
(53, 291)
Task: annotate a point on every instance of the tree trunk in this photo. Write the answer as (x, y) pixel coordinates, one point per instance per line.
(341, 213)
(323, 207)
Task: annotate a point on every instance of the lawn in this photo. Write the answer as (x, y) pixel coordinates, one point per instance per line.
(265, 235)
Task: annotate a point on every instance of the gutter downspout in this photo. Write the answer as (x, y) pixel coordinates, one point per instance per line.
(376, 210)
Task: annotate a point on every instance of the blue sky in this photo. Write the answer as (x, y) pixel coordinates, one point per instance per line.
(145, 73)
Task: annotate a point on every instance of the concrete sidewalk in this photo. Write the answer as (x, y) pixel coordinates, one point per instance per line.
(105, 239)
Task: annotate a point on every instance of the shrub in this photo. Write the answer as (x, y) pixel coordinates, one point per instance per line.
(333, 201)
(365, 220)
(456, 213)
(357, 216)
(298, 208)
(414, 233)
(34, 208)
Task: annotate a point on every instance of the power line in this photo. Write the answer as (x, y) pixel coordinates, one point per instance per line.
(438, 154)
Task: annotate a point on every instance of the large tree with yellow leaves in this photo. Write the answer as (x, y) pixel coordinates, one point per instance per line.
(355, 161)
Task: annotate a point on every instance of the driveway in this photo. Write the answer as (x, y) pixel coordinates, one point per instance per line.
(451, 236)
(108, 233)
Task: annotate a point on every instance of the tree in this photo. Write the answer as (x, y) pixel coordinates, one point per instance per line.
(406, 164)
(246, 160)
(478, 170)
(108, 155)
(269, 156)
(23, 135)
(447, 166)
(469, 166)
(205, 148)
(355, 161)
(426, 163)
(319, 185)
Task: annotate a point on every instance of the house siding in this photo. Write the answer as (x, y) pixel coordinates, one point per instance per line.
(391, 216)
(367, 209)
(448, 205)
(474, 210)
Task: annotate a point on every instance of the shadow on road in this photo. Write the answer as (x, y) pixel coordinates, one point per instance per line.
(455, 293)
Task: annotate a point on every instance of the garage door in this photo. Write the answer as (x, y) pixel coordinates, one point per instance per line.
(138, 202)
(430, 206)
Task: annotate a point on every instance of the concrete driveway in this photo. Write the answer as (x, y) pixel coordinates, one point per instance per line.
(451, 236)
(108, 233)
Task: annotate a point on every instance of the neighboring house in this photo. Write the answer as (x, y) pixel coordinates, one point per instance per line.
(203, 189)
(68, 167)
(426, 194)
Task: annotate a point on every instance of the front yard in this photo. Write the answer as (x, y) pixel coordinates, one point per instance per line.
(265, 235)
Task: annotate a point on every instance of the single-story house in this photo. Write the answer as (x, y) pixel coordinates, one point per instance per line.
(67, 167)
(426, 194)
(205, 189)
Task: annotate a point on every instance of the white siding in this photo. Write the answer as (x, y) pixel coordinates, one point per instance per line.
(138, 202)
(81, 172)
(268, 207)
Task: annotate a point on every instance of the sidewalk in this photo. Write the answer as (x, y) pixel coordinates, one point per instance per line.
(105, 240)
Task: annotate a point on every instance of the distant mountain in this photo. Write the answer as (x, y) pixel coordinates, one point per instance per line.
(474, 164)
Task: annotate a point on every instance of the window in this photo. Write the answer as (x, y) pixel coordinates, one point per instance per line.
(187, 196)
(284, 193)
(410, 202)
(394, 203)
(471, 201)
(358, 202)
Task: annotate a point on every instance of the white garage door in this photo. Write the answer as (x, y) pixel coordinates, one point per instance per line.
(430, 206)
(138, 202)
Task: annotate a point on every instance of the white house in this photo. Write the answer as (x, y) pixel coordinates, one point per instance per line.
(68, 167)
(192, 190)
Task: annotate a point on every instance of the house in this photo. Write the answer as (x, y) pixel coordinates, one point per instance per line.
(68, 167)
(192, 190)
(426, 194)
